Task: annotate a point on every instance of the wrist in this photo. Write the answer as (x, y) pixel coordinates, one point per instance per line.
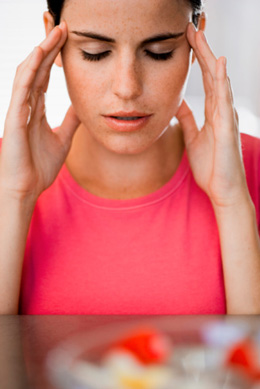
(14, 198)
(233, 201)
(241, 210)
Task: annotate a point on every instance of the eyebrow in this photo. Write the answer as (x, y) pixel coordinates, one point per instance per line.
(103, 38)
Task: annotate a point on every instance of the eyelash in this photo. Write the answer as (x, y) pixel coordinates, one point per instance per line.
(156, 57)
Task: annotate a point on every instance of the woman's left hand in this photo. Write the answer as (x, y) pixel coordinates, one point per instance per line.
(214, 152)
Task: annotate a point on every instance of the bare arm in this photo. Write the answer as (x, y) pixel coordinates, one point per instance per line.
(31, 157)
(240, 248)
(216, 161)
(15, 217)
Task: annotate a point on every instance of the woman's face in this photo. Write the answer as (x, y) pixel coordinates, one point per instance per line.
(132, 75)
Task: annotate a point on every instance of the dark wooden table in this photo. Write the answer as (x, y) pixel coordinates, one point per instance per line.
(26, 340)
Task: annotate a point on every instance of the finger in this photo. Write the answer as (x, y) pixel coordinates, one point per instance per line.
(50, 54)
(50, 43)
(39, 111)
(208, 82)
(187, 122)
(26, 74)
(191, 36)
(50, 47)
(232, 100)
(68, 127)
(204, 50)
(230, 90)
(237, 117)
(224, 98)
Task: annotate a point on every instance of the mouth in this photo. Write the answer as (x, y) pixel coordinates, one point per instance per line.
(127, 121)
(127, 118)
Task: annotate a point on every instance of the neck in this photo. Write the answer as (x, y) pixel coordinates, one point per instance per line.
(116, 176)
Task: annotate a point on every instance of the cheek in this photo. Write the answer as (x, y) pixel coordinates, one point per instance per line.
(172, 83)
(175, 82)
(81, 85)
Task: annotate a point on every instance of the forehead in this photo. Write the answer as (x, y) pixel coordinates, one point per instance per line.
(118, 14)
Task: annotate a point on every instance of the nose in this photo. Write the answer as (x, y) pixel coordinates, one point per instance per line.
(127, 78)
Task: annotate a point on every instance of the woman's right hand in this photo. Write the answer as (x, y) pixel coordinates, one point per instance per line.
(32, 154)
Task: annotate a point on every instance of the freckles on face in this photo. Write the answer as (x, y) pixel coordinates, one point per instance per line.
(127, 78)
(170, 83)
(84, 86)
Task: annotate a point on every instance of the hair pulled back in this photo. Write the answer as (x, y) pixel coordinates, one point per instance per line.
(55, 8)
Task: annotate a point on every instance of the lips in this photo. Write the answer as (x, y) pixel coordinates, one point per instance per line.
(127, 121)
(128, 114)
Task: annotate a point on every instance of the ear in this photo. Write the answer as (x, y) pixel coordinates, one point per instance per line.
(49, 26)
(201, 26)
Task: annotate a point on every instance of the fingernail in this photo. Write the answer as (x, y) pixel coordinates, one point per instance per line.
(225, 61)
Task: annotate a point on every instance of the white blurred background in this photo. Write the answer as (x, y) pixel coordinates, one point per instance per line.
(233, 30)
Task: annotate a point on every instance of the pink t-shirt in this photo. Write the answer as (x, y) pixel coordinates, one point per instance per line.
(157, 254)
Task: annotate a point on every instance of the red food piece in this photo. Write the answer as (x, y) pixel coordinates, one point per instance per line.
(147, 344)
(243, 355)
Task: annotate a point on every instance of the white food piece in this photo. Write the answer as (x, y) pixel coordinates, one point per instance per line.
(128, 372)
(92, 376)
(121, 360)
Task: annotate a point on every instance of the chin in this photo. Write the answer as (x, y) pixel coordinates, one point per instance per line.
(132, 146)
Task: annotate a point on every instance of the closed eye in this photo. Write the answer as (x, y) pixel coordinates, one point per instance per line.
(95, 57)
(160, 57)
(155, 56)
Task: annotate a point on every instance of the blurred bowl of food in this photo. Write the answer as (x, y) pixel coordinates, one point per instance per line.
(155, 354)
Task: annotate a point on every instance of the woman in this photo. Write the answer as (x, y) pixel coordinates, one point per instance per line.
(118, 210)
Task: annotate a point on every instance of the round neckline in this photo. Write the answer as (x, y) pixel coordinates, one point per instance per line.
(114, 204)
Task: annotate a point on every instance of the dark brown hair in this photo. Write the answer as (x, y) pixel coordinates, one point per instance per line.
(55, 8)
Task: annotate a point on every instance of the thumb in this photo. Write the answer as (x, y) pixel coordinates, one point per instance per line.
(68, 126)
(187, 122)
